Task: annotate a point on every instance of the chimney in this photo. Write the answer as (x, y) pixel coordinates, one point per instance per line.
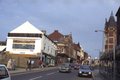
(44, 31)
(56, 31)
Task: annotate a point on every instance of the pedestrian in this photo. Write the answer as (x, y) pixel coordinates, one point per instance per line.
(40, 64)
(9, 64)
(13, 64)
(28, 64)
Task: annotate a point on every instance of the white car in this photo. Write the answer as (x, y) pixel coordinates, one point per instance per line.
(65, 67)
(4, 74)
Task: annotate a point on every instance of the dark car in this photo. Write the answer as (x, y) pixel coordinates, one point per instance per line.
(76, 66)
(85, 70)
(65, 67)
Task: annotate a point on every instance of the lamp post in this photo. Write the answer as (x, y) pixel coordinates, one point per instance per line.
(114, 64)
(102, 39)
(102, 51)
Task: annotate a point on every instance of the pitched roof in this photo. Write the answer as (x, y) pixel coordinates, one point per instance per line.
(56, 36)
(26, 27)
(76, 46)
(111, 22)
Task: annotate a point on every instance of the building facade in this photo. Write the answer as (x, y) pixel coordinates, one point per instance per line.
(64, 46)
(110, 33)
(78, 53)
(29, 42)
(118, 26)
(109, 63)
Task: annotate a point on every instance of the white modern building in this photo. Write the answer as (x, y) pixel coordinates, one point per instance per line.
(28, 40)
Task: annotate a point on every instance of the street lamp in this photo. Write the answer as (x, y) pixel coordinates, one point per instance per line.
(102, 39)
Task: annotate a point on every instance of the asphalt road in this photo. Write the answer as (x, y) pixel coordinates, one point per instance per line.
(49, 75)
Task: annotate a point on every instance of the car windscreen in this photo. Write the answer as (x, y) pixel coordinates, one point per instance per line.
(3, 72)
(65, 65)
(85, 67)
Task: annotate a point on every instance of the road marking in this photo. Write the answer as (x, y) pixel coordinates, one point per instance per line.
(36, 78)
(51, 73)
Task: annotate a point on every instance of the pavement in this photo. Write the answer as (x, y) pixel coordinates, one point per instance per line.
(97, 75)
(23, 70)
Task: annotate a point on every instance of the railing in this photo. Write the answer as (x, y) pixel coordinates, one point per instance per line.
(106, 67)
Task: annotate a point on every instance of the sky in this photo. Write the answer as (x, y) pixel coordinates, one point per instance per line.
(79, 17)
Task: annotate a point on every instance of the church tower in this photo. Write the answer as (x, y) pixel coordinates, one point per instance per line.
(110, 33)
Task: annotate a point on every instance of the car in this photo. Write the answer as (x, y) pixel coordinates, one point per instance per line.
(65, 67)
(4, 73)
(85, 70)
(76, 66)
(72, 65)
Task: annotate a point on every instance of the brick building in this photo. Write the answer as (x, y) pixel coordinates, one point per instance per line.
(64, 46)
(110, 33)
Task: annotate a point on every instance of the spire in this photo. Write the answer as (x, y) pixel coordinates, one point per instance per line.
(106, 20)
(106, 23)
(111, 21)
(112, 13)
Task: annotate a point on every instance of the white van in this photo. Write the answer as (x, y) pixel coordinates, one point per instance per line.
(4, 74)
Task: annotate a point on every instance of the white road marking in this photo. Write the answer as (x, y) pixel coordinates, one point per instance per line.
(51, 73)
(36, 78)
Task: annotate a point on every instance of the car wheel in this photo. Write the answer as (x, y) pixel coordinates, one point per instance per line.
(59, 71)
(78, 75)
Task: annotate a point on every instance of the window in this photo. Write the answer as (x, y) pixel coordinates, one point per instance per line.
(111, 33)
(106, 46)
(24, 35)
(110, 40)
(23, 46)
(110, 46)
(3, 72)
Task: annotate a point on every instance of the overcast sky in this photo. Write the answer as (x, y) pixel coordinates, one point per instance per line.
(79, 17)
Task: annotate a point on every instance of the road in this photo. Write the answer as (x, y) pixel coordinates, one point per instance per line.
(49, 75)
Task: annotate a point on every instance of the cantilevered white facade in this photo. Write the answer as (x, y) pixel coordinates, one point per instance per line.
(25, 39)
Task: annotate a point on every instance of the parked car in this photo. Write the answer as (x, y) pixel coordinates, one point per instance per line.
(4, 74)
(85, 70)
(72, 65)
(65, 67)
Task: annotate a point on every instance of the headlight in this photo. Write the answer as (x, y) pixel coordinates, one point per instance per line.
(89, 73)
(80, 71)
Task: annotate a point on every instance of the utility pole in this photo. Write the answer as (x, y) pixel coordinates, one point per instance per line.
(114, 66)
(114, 63)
